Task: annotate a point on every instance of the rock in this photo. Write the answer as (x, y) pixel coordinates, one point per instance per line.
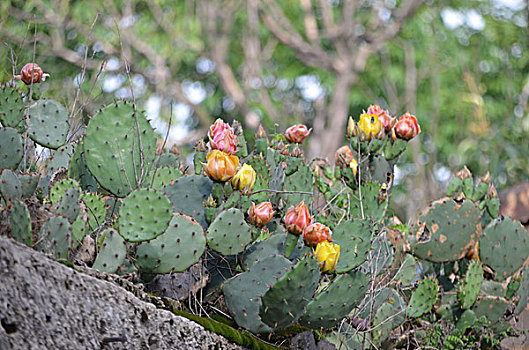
(47, 305)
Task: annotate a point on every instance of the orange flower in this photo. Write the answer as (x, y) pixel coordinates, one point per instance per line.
(316, 233)
(261, 214)
(297, 218)
(343, 156)
(220, 166)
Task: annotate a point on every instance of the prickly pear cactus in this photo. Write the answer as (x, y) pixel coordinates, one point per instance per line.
(20, 222)
(60, 158)
(95, 209)
(372, 203)
(229, 234)
(11, 150)
(69, 204)
(285, 301)
(469, 290)
(112, 253)
(144, 215)
(163, 176)
(492, 307)
(423, 298)
(120, 147)
(59, 189)
(187, 195)
(179, 247)
(243, 292)
(10, 185)
(354, 238)
(504, 246)
(48, 123)
(11, 108)
(336, 301)
(29, 183)
(55, 237)
(447, 231)
(78, 169)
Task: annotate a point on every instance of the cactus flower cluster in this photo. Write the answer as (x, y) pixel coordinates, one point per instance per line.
(376, 123)
(221, 162)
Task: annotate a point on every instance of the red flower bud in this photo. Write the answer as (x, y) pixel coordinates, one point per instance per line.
(297, 133)
(31, 73)
(297, 218)
(221, 137)
(407, 127)
(261, 214)
(383, 116)
(316, 233)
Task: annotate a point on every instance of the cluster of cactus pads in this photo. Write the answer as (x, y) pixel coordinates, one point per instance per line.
(461, 261)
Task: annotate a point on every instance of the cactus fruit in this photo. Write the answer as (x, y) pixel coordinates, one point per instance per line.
(504, 246)
(423, 298)
(447, 231)
(112, 253)
(20, 222)
(10, 185)
(11, 108)
(336, 301)
(48, 123)
(354, 238)
(469, 290)
(11, 150)
(187, 195)
(243, 292)
(120, 147)
(55, 237)
(144, 215)
(229, 234)
(179, 247)
(285, 301)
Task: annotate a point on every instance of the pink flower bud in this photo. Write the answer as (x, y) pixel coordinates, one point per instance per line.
(261, 214)
(297, 218)
(297, 133)
(31, 73)
(407, 127)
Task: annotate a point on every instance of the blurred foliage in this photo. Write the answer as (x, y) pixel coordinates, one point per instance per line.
(461, 67)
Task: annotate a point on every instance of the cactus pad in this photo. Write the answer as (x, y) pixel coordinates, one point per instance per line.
(11, 150)
(78, 169)
(29, 183)
(59, 189)
(11, 107)
(112, 252)
(21, 223)
(55, 237)
(60, 158)
(447, 231)
(504, 246)
(469, 290)
(179, 247)
(336, 301)
(119, 147)
(144, 215)
(354, 238)
(187, 195)
(48, 123)
(228, 234)
(423, 298)
(243, 292)
(95, 209)
(490, 306)
(10, 185)
(286, 300)
(69, 205)
(374, 201)
(162, 176)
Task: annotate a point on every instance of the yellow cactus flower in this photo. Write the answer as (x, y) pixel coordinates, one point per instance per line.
(354, 166)
(327, 254)
(370, 127)
(244, 179)
(220, 166)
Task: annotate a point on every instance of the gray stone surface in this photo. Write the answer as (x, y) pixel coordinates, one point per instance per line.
(47, 305)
